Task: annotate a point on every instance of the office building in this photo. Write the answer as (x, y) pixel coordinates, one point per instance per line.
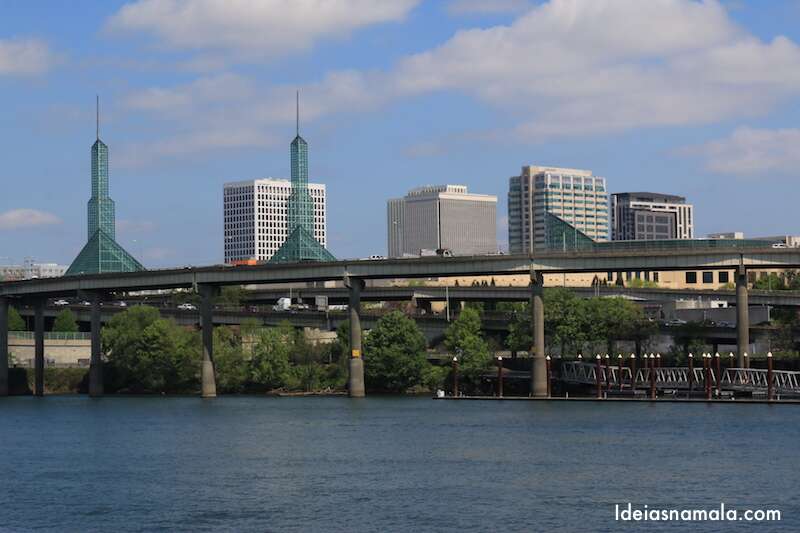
(31, 270)
(442, 217)
(101, 253)
(646, 216)
(544, 201)
(256, 221)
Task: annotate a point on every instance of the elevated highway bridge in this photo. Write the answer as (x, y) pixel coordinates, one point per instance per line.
(644, 256)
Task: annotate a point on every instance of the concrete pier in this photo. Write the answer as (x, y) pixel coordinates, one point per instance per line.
(3, 346)
(38, 335)
(539, 364)
(356, 378)
(96, 387)
(208, 387)
(742, 316)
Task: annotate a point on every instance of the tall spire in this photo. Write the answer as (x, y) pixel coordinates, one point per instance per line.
(297, 115)
(97, 110)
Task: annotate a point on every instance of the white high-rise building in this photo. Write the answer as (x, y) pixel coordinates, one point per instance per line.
(255, 217)
(637, 216)
(442, 217)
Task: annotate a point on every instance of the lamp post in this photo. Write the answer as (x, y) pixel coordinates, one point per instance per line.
(549, 389)
(619, 371)
(770, 386)
(608, 370)
(652, 377)
(633, 373)
(499, 376)
(691, 373)
(717, 360)
(455, 376)
(597, 377)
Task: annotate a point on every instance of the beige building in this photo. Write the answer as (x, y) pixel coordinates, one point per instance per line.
(438, 217)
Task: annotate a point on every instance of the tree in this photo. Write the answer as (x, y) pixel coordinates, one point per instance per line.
(15, 321)
(464, 338)
(394, 354)
(66, 321)
(150, 353)
(519, 337)
(270, 363)
(231, 296)
(229, 362)
(770, 282)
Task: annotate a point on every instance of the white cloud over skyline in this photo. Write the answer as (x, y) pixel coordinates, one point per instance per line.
(566, 68)
(252, 28)
(25, 57)
(752, 152)
(26, 218)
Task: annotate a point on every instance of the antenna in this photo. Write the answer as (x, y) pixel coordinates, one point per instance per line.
(98, 117)
(298, 114)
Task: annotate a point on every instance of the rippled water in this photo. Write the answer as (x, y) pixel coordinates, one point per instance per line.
(386, 464)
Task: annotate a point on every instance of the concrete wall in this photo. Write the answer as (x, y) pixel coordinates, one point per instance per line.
(56, 352)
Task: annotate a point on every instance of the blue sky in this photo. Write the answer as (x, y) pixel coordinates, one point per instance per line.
(694, 98)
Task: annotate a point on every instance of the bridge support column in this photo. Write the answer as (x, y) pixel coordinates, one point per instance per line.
(3, 346)
(208, 380)
(742, 316)
(96, 388)
(355, 384)
(38, 341)
(538, 364)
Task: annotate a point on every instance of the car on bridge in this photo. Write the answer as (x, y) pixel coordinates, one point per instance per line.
(187, 307)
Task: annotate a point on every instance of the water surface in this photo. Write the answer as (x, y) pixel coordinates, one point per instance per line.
(70, 463)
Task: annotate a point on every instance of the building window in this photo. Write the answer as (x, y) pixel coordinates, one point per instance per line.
(655, 277)
(723, 277)
(691, 277)
(708, 277)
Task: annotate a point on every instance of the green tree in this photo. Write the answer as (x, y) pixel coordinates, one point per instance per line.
(150, 353)
(394, 354)
(66, 321)
(233, 371)
(231, 296)
(15, 321)
(519, 337)
(270, 364)
(464, 338)
(770, 282)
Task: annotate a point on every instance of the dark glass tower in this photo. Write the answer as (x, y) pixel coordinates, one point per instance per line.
(101, 252)
(300, 245)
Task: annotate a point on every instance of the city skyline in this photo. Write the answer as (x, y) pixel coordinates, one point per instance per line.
(381, 121)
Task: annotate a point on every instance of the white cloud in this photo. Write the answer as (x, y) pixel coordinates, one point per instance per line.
(752, 152)
(485, 7)
(564, 68)
(24, 57)
(253, 28)
(26, 218)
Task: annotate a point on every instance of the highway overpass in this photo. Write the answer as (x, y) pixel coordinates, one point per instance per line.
(644, 256)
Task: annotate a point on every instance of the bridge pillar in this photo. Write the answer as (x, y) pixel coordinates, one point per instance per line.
(355, 384)
(38, 341)
(538, 364)
(3, 346)
(208, 380)
(742, 315)
(96, 387)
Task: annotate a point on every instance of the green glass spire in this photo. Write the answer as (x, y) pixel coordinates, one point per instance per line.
(101, 252)
(300, 245)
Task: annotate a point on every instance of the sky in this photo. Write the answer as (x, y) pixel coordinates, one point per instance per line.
(696, 98)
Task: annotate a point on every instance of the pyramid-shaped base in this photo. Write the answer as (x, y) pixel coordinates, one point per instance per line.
(301, 246)
(103, 254)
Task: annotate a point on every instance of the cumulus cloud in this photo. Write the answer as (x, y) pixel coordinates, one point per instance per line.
(564, 68)
(752, 152)
(24, 57)
(26, 218)
(486, 7)
(253, 28)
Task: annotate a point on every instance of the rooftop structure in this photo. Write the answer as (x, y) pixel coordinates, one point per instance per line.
(642, 216)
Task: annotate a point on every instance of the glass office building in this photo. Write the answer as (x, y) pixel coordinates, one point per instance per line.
(102, 253)
(573, 196)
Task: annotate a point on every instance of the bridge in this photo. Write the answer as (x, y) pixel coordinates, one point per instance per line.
(619, 379)
(717, 255)
(496, 293)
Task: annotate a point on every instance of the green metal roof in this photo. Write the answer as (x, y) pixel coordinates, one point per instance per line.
(301, 246)
(103, 254)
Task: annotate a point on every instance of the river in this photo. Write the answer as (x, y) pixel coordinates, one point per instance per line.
(70, 463)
